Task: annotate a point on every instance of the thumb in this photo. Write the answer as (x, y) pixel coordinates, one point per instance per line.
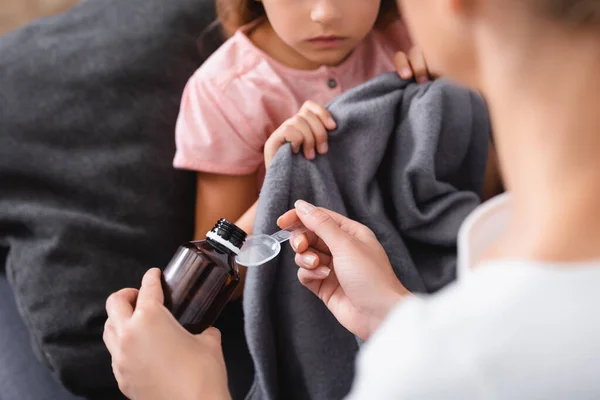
(211, 334)
(273, 143)
(324, 223)
(151, 290)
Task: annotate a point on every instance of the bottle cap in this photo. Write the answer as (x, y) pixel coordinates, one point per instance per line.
(228, 234)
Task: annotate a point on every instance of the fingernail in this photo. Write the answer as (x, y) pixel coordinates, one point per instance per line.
(406, 73)
(296, 242)
(331, 123)
(309, 260)
(278, 219)
(310, 154)
(423, 79)
(322, 271)
(323, 147)
(303, 207)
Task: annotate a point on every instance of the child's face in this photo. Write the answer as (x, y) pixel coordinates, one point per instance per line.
(322, 31)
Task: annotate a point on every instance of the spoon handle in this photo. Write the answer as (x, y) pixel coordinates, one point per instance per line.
(291, 231)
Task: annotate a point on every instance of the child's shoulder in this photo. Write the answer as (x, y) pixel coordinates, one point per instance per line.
(235, 59)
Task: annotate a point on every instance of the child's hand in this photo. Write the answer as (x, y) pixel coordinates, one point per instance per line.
(412, 64)
(307, 129)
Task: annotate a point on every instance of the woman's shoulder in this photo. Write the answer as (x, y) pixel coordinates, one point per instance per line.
(498, 317)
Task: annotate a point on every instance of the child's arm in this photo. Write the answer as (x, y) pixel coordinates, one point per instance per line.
(221, 135)
(225, 196)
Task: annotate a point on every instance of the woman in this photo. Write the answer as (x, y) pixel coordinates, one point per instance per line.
(523, 323)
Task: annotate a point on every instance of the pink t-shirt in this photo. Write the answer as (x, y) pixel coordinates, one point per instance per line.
(240, 95)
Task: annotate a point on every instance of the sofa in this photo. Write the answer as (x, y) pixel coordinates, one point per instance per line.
(89, 199)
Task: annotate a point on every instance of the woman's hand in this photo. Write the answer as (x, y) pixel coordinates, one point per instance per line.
(412, 64)
(153, 356)
(342, 262)
(307, 129)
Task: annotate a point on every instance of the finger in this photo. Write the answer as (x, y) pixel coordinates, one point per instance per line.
(212, 335)
(285, 133)
(313, 279)
(402, 65)
(108, 336)
(275, 141)
(312, 259)
(120, 305)
(326, 224)
(318, 130)
(292, 135)
(322, 113)
(295, 138)
(303, 242)
(419, 67)
(308, 140)
(151, 291)
(287, 219)
(130, 295)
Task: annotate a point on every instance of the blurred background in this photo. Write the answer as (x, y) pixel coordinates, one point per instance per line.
(14, 13)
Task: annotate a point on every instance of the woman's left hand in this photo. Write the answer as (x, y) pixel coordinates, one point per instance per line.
(153, 356)
(412, 64)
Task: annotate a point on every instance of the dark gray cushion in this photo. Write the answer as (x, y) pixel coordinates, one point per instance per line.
(21, 376)
(88, 197)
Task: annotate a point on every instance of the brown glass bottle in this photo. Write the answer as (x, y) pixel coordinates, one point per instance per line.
(202, 276)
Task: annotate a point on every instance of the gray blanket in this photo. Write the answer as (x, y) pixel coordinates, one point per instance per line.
(406, 160)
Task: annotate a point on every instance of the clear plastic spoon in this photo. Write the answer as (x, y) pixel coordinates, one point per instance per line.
(260, 249)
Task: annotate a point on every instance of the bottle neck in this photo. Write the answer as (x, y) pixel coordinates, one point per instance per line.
(222, 244)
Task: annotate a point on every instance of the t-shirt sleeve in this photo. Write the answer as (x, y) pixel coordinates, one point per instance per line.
(213, 134)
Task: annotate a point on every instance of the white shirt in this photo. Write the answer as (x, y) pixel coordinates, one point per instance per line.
(504, 330)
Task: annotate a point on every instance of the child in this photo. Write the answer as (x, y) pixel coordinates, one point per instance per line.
(282, 53)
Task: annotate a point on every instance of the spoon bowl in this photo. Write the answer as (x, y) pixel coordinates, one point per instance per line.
(257, 250)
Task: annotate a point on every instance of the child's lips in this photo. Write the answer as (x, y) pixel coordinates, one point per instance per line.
(327, 41)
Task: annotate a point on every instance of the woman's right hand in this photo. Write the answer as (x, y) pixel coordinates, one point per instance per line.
(342, 263)
(307, 129)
